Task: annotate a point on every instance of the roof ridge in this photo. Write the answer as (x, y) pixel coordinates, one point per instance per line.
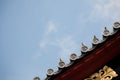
(84, 50)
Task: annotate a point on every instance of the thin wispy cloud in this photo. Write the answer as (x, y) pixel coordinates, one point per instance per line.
(51, 27)
(107, 9)
(36, 55)
(100, 14)
(43, 43)
(67, 46)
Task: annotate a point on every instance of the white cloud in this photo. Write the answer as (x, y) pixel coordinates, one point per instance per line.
(45, 41)
(36, 55)
(51, 27)
(67, 46)
(107, 9)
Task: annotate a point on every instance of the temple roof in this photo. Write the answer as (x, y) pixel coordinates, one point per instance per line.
(99, 52)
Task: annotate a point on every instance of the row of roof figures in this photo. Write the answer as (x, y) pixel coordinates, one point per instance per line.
(84, 49)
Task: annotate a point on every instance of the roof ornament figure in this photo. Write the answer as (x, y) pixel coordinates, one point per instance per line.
(116, 25)
(106, 32)
(95, 40)
(61, 64)
(50, 72)
(36, 78)
(84, 48)
(73, 56)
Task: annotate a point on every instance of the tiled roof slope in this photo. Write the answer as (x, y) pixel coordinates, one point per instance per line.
(91, 59)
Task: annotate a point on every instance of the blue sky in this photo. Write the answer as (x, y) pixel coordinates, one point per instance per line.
(35, 34)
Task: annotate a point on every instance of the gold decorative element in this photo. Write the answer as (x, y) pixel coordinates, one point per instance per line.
(106, 73)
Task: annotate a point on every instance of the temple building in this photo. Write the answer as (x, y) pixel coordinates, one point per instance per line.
(101, 62)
